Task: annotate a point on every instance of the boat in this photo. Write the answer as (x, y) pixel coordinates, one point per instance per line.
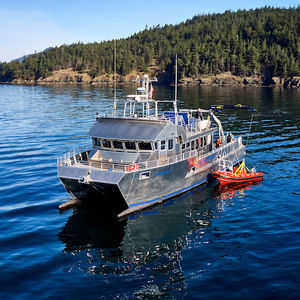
(236, 175)
(145, 155)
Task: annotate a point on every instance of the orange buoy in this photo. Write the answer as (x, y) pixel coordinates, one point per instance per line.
(133, 167)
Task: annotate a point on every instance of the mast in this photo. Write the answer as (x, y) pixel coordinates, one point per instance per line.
(115, 83)
(176, 77)
(175, 102)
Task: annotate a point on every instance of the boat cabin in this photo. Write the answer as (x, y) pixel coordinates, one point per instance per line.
(142, 134)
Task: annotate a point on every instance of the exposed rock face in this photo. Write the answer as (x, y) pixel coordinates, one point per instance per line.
(65, 76)
(232, 80)
(223, 79)
(68, 76)
(21, 81)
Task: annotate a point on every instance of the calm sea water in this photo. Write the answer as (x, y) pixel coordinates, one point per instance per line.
(206, 244)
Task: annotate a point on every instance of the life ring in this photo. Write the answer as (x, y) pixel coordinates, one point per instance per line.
(133, 167)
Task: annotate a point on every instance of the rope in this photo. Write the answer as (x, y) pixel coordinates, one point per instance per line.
(242, 165)
(249, 129)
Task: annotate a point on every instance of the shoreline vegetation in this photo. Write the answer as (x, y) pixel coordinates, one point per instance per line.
(259, 47)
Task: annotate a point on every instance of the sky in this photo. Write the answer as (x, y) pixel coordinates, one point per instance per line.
(29, 26)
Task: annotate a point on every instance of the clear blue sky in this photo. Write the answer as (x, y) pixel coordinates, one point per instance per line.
(29, 25)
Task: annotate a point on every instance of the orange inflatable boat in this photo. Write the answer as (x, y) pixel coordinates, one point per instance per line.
(237, 175)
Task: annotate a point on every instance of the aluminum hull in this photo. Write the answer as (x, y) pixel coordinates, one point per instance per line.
(131, 191)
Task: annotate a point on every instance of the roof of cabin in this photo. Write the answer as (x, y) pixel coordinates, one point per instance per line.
(126, 129)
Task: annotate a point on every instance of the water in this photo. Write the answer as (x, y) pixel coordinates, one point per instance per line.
(208, 243)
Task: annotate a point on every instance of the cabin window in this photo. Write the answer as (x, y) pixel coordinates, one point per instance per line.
(192, 145)
(197, 143)
(204, 140)
(163, 145)
(130, 146)
(155, 145)
(117, 144)
(144, 175)
(183, 146)
(144, 146)
(106, 144)
(201, 142)
(96, 141)
(170, 144)
(188, 144)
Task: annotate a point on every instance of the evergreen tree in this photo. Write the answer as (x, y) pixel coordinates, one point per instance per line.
(255, 42)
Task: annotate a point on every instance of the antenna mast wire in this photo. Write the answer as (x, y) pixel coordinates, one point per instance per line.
(115, 75)
(176, 77)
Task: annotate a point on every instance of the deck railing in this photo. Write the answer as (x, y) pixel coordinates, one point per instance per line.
(79, 158)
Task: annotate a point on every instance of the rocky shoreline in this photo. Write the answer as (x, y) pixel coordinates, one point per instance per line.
(227, 79)
(68, 76)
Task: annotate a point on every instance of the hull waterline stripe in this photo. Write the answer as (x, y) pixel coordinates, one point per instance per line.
(169, 195)
(172, 194)
(161, 173)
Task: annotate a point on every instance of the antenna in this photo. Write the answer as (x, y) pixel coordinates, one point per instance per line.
(176, 77)
(115, 75)
(175, 102)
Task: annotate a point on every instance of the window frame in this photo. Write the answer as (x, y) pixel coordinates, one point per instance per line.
(102, 146)
(145, 175)
(130, 150)
(172, 141)
(118, 141)
(192, 145)
(141, 150)
(96, 142)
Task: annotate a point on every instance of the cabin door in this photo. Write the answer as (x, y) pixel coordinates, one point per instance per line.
(162, 150)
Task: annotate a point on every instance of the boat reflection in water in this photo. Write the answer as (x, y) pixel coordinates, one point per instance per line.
(147, 248)
(146, 245)
(226, 191)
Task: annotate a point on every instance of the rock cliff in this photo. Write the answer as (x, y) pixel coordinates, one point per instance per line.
(69, 76)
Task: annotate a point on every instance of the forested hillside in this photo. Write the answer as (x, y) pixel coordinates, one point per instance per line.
(245, 43)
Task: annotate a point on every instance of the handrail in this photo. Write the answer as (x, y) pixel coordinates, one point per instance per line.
(75, 158)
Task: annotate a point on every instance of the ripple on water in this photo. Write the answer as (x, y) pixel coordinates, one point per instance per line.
(207, 243)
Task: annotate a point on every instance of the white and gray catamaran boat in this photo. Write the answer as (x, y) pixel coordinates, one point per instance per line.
(143, 157)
